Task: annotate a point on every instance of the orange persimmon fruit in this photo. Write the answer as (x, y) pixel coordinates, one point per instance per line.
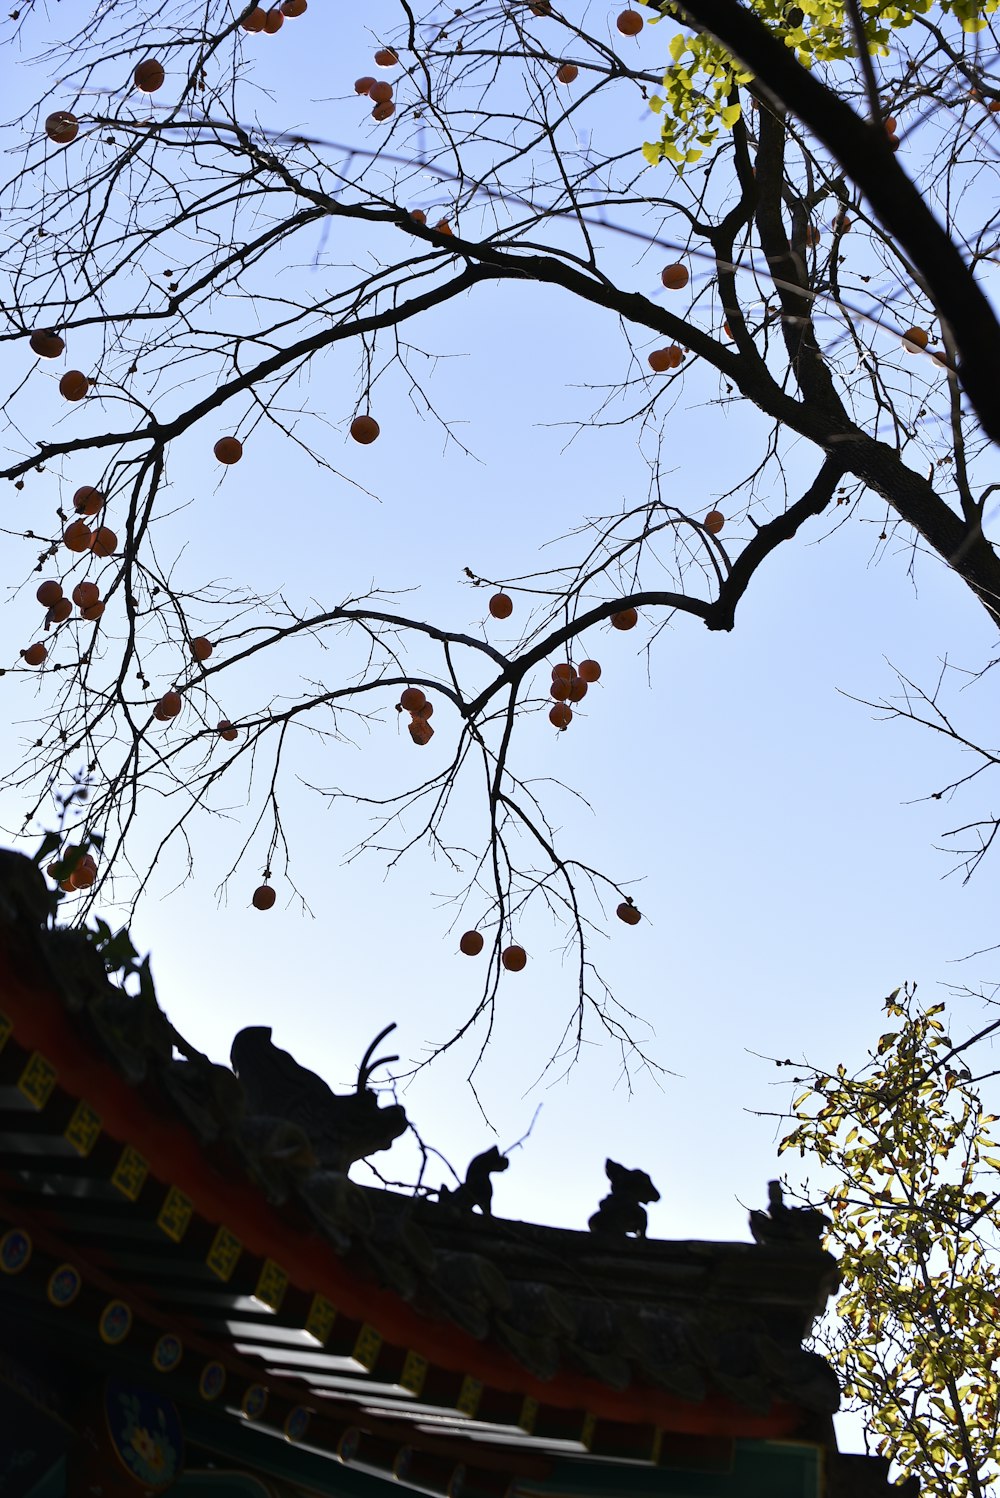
(46, 344)
(228, 449)
(49, 593)
(364, 429)
(471, 943)
(74, 385)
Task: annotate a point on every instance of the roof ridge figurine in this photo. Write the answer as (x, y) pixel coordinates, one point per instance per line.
(783, 1224)
(620, 1212)
(477, 1188)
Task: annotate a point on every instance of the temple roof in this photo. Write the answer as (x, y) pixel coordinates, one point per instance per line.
(158, 1217)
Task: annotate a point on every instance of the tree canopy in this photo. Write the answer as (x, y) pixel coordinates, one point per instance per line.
(910, 1155)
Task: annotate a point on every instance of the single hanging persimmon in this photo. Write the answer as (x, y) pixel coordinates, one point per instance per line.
(87, 500)
(418, 215)
(62, 127)
(77, 536)
(915, 340)
(386, 57)
(627, 912)
(630, 23)
(365, 429)
(625, 619)
(380, 91)
(714, 521)
(104, 542)
(501, 606)
(362, 85)
(294, 8)
(46, 344)
(659, 360)
(273, 21)
(412, 700)
(201, 648)
(254, 22)
(563, 671)
(471, 943)
(590, 671)
(443, 227)
(559, 688)
(263, 897)
(567, 73)
(93, 611)
(74, 385)
(675, 277)
(226, 731)
(384, 111)
(84, 594)
(540, 7)
(561, 715)
(425, 712)
(35, 654)
(149, 76)
(170, 704)
(676, 356)
(514, 958)
(576, 689)
(421, 731)
(60, 611)
(228, 449)
(48, 593)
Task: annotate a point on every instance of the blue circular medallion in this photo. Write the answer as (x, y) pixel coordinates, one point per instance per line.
(347, 1446)
(212, 1381)
(115, 1323)
(15, 1251)
(64, 1285)
(254, 1401)
(167, 1353)
(296, 1423)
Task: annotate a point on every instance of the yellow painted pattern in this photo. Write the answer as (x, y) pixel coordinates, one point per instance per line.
(175, 1214)
(224, 1254)
(83, 1129)
(469, 1396)
(130, 1173)
(367, 1347)
(37, 1080)
(414, 1373)
(319, 1322)
(272, 1282)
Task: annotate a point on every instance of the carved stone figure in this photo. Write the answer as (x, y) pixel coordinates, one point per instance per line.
(781, 1224)
(477, 1188)
(341, 1128)
(621, 1212)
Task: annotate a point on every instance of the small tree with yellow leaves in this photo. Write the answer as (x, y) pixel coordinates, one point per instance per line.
(915, 1221)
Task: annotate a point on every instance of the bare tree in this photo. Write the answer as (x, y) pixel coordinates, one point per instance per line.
(882, 361)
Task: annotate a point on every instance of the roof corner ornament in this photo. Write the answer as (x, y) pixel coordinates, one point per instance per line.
(341, 1128)
(621, 1212)
(782, 1224)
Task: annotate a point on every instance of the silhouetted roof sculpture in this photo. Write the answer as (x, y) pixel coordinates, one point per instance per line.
(162, 1229)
